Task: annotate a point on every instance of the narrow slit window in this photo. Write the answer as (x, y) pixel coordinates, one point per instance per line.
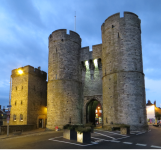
(14, 117)
(92, 77)
(21, 117)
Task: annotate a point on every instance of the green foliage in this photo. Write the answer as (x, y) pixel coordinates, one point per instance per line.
(90, 124)
(72, 127)
(83, 129)
(157, 115)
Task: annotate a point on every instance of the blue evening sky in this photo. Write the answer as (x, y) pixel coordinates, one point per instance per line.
(26, 24)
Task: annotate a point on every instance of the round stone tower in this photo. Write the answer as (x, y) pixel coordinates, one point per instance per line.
(64, 97)
(123, 78)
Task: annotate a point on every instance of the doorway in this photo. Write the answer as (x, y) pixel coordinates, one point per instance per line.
(94, 112)
(40, 123)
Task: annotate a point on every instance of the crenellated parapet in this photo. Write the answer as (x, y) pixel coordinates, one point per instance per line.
(29, 70)
(62, 36)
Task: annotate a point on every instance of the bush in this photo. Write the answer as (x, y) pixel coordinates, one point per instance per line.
(83, 129)
(72, 127)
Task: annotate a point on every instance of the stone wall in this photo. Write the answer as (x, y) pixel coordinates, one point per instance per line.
(122, 69)
(64, 93)
(12, 128)
(29, 95)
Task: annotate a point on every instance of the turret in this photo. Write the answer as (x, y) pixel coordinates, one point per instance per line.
(122, 69)
(64, 80)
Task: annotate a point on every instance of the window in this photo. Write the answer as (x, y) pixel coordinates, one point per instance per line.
(15, 103)
(22, 87)
(21, 102)
(16, 88)
(14, 117)
(21, 117)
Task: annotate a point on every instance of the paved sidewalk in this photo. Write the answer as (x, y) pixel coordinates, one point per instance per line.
(34, 132)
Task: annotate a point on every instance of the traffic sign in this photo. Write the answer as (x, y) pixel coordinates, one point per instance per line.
(8, 118)
(8, 113)
(9, 105)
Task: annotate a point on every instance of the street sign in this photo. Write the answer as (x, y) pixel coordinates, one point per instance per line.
(9, 105)
(8, 113)
(8, 118)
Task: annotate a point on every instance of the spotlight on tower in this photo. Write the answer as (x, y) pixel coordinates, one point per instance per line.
(20, 71)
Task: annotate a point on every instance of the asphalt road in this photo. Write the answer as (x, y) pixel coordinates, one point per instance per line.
(100, 140)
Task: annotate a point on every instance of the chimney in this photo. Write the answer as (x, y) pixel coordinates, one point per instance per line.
(155, 103)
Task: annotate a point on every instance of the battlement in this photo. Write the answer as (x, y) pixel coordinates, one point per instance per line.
(30, 70)
(61, 35)
(94, 54)
(129, 17)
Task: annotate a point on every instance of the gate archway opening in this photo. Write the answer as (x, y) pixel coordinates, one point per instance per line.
(94, 112)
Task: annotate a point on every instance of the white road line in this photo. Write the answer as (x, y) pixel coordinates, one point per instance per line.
(100, 139)
(127, 142)
(123, 137)
(105, 135)
(141, 144)
(110, 132)
(155, 146)
(72, 143)
(115, 141)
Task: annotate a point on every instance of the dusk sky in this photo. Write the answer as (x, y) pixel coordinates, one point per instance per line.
(26, 24)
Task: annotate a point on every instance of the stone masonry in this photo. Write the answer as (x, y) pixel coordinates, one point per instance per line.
(28, 97)
(111, 74)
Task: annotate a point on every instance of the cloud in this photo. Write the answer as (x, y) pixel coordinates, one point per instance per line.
(153, 92)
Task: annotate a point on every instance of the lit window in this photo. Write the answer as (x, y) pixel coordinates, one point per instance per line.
(21, 117)
(96, 115)
(14, 117)
(98, 107)
(96, 110)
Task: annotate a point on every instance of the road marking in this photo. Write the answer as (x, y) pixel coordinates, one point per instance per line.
(100, 139)
(141, 144)
(115, 141)
(127, 142)
(73, 143)
(123, 137)
(155, 146)
(105, 135)
(111, 132)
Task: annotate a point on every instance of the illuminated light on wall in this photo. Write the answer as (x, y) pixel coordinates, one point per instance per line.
(87, 64)
(20, 71)
(95, 63)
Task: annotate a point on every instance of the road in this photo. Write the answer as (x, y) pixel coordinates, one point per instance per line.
(100, 140)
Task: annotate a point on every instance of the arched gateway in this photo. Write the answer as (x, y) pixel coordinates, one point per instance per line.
(94, 112)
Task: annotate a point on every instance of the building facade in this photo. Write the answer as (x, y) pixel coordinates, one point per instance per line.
(110, 77)
(28, 97)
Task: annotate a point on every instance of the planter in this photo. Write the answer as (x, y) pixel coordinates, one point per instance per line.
(125, 130)
(84, 137)
(70, 134)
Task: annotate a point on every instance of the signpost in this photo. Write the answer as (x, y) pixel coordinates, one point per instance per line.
(8, 119)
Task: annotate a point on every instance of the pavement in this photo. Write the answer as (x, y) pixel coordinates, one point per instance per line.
(41, 139)
(25, 133)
